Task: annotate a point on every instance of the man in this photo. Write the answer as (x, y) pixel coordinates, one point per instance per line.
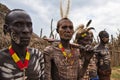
(104, 59)
(100, 63)
(17, 62)
(62, 58)
(84, 37)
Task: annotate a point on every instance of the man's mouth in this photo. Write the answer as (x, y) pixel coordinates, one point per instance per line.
(67, 35)
(25, 39)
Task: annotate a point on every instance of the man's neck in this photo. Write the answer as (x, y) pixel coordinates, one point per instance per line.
(102, 45)
(19, 50)
(65, 44)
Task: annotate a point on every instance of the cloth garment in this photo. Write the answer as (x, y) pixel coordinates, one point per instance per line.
(10, 71)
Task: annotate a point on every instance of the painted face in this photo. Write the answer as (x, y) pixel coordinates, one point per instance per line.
(66, 30)
(105, 37)
(86, 38)
(20, 28)
(105, 40)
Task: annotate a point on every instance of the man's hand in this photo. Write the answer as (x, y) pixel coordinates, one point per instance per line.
(89, 52)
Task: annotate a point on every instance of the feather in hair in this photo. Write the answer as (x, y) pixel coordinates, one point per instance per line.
(90, 28)
(89, 22)
(67, 9)
(61, 10)
(80, 27)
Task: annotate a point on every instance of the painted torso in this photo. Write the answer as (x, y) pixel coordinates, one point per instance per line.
(61, 69)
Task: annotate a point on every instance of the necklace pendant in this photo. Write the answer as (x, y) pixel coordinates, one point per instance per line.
(65, 61)
(71, 62)
(66, 58)
(24, 77)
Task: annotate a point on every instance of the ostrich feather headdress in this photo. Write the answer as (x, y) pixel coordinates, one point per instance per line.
(62, 13)
(82, 30)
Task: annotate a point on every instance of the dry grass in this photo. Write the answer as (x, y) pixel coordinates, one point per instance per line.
(115, 73)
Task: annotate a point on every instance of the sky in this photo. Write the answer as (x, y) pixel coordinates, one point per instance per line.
(105, 14)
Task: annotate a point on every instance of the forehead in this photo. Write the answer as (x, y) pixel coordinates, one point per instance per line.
(18, 16)
(66, 22)
(105, 34)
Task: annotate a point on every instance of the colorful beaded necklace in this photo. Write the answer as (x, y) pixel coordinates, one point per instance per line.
(67, 56)
(17, 60)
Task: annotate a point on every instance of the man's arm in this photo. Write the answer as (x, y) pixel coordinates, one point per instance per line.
(42, 66)
(83, 69)
(47, 57)
(87, 53)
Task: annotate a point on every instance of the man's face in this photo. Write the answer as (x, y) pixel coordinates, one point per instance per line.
(66, 30)
(20, 28)
(105, 38)
(85, 39)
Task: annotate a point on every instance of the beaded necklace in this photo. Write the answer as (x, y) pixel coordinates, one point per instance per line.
(17, 60)
(67, 56)
(22, 66)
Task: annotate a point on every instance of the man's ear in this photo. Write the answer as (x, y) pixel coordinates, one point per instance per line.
(57, 30)
(5, 29)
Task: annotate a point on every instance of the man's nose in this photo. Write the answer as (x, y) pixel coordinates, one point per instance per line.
(68, 29)
(26, 29)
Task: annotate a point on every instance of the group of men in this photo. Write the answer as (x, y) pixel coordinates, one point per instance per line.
(99, 67)
(61, 61)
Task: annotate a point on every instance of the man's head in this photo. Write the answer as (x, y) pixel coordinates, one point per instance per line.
(19, 25)
(104, 36)
(84, 36)
(65, 29)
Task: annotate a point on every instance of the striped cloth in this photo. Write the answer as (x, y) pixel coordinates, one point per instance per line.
(10, 71)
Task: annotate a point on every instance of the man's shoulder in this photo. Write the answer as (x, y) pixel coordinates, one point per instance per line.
(34, 52)
(4, 51)
(53, 46)
(4, 54)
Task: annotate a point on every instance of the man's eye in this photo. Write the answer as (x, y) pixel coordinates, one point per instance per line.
(64, 27)
(18, 24)
(71, 27)
(29, 24)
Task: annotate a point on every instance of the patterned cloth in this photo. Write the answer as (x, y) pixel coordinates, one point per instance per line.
(10, 71)
(56, 66)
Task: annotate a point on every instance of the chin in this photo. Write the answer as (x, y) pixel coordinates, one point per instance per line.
(24, 44)
(67, 39)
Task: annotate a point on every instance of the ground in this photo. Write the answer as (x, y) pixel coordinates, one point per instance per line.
(115, 73)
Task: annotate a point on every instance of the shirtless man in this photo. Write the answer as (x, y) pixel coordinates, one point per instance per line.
(104, 59)
(99, 67)
(62, 59)
(84, 37)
